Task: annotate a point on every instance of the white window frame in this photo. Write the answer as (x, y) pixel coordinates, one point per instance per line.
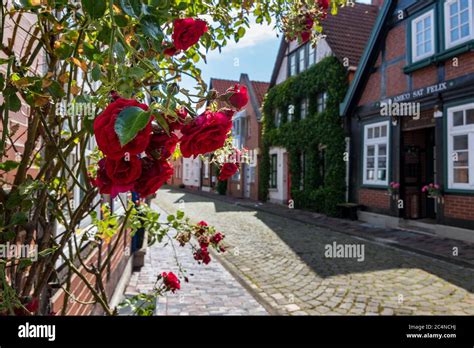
(447, 28)
(304, 108)
(414, 42)
(376, 142)
(293, 64)
(277, 118)
(311, 53)
(459, 131)
(302, 59)
(321, 101)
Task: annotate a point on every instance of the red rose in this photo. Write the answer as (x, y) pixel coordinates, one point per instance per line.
(227, 170)
(202, 254)
(154, 175)
(217, 238)
(102, 181)
(206, 133)
(33, 305)
(306, 35)
(202, 223)
(162, 146)
(170, 51)
(187, 32)
(324, 4)
(123, 172)
(105, 184)
(171, 281)
(107, 139)
(239, 98)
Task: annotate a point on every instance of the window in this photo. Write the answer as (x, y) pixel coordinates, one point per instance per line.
(291, 112)
(304, 108)
(322, 101)
(302, 170)
(311, 54)
(423, 38)
(458, 21)
(302, 58)
(461, 147)
(293, 64)
(273, 171)
(376, 149)
(277, 119)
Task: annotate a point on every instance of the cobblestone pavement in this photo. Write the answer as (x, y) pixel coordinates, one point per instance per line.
(284, 262)
(211, 289)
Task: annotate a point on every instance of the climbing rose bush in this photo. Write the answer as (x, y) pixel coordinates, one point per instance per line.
(124, 61)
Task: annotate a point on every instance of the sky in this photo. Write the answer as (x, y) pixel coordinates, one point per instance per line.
(255, 54)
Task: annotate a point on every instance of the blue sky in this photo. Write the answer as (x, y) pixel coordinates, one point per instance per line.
(254, 54)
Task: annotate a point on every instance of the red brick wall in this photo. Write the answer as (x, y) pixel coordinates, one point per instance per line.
(425, 77)
(110, 279)
(465, 66)
(459, 207)
(371, 92)
(395, 43)
(374, 198)
(396, 80)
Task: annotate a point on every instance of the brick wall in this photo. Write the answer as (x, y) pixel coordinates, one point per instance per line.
(459, 207)
(395, 43)
(371, 92)
(425, 77)
(464, 66)
(396, 80)
(110, 278)
(374, 198)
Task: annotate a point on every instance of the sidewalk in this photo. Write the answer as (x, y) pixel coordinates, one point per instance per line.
(418, 242)
(211, 289)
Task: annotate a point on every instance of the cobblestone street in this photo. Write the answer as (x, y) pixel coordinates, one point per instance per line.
(283, 261)
(211, 289)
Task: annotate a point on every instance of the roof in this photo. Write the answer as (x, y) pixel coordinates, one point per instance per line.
(260, 89)
(346, 33)
(221, 85)
(368, 57)
(256, 90)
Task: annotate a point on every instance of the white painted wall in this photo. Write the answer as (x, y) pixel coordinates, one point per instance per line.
(322, 51)
(280, 194)
(192, 171)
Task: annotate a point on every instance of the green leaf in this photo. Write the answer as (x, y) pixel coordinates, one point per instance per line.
(94, 8)
(151, 27)
(136, 72)
(2, 81)
(19, 218)
(96, 73)
(131, 7)
(8, 165)
(129, 122)
(121, 20)
(14, 103)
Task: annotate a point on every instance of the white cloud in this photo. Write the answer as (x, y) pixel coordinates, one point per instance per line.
(254, 36)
